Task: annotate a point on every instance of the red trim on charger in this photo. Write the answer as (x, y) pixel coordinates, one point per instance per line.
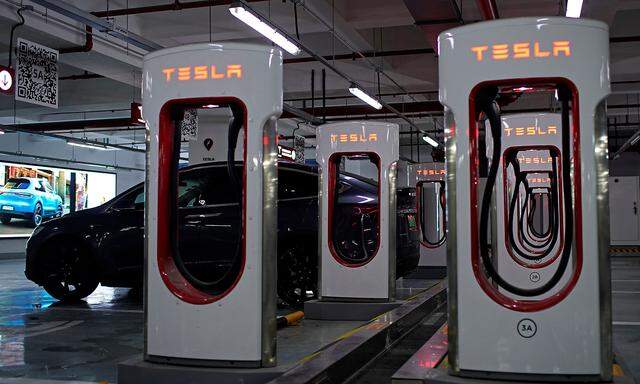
(331, 192)
(474, 161)
(418, 216)
(171, 276)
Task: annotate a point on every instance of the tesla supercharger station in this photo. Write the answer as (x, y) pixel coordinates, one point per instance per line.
(429, 180)
(502, 326)
(370, 276)
(213, 304)
(529, 226)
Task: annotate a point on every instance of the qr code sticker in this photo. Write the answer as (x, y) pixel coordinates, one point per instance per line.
(189, 124)
(37, 74)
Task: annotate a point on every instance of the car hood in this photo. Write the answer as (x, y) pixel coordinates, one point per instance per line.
(84, 212)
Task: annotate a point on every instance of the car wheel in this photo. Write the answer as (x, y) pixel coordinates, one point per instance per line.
(5, 220)
(36, 219)
(58, 211)
(297, 271)
(69, 271)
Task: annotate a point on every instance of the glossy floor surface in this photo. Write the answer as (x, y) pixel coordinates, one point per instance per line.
(625, 274)
(43, 339)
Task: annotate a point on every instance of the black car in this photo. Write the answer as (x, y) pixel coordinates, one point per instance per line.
(71, 255)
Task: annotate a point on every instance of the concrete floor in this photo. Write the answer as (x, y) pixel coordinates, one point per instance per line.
(42, 339)
(625, 273)
(16, 227)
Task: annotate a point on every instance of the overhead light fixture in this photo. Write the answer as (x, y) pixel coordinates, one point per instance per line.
(210, 106)
(574, 8)
(263, 27)
(98, 146)
(360, 94)
(430, 141)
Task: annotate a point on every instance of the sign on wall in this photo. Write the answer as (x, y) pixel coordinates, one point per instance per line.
(37, 74)
(189, 124)
(298, 147)
(6, 80)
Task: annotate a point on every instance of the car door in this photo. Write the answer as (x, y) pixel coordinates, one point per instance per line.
(122, 247)
(297, 200)
(41, 189)
(209, 210)
(51, 198)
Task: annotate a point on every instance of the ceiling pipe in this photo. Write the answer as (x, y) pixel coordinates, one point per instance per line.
(350, 96)
(88, 19)
(624, 39)
(337, 71)
(361, 55)
(434, 16)
(69, 139)
(88, 43)
(175, 6)
(84, 76)
(387, 109)
(489, 9)
(101, 25)
(628, 144)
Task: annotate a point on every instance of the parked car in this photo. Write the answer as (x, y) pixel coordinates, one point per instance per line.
(30, 199)
(71, 255)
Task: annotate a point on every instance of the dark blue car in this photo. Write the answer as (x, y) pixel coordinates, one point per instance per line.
(29, 199)
(70, 256)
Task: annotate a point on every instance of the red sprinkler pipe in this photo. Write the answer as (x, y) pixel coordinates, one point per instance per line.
(489, 9)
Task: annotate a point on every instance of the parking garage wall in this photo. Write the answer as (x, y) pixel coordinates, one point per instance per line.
(44, 151)
(628, 164)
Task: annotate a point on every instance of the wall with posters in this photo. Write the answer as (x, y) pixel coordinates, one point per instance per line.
(98, 176)
(70, 189)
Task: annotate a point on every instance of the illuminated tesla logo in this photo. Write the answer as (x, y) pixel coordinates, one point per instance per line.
(522, 50)
(542, 180)
(353, 137)
(534, 160)
(531, 131)
(202, 72)
(430, 172)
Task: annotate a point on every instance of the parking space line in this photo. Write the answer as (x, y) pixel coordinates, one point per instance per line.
(55, 329)
(41, 310)
(631, 292)
(632, 323)
(625, 280)
(97, 310)
(26, 380)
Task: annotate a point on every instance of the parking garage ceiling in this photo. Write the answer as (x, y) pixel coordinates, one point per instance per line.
(356, 36)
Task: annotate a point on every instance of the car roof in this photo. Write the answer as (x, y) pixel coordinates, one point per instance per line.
(285, 164)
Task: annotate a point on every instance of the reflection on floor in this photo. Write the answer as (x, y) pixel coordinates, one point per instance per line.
(625, 274)
(40, 338)
(44, 339)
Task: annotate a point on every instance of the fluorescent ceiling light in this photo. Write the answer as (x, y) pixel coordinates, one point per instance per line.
(360, 94)
(574, 8)
(210, 106)
(97, 146)
(430, 141)
(266, 30)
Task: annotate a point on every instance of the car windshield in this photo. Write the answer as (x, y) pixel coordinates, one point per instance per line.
(17, 184)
